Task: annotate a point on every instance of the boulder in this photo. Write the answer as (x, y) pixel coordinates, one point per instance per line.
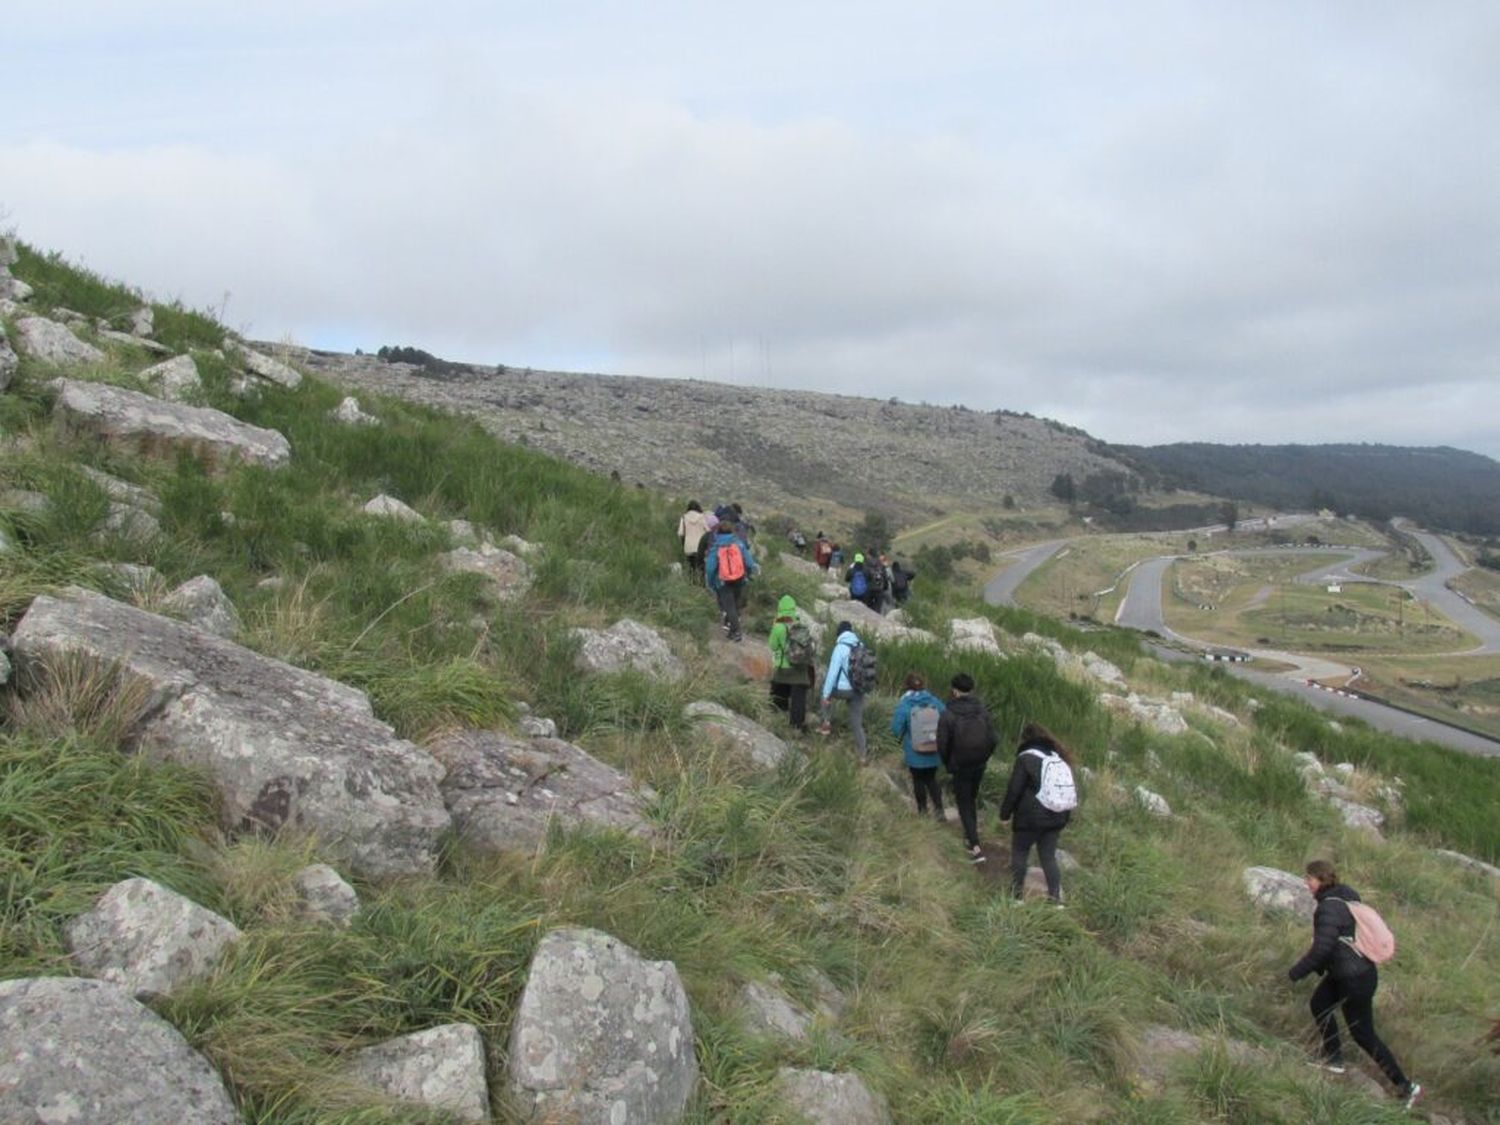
(9, 361)
(8, 254)
(1153, 803)
(626, 645)
(766, 1010)
(1159, 716)
(143, 321)
(263, 366)
(13, 289)
(747, 660)
(441, 1068)
(149, 426)
(287, 749)
(1162, 1049)
(601, 1035)
(391, 508)
(1359, 816)
(202, 603)
(872, 626)
(1060, 655)
(122, 491)
(503, 792)
(105, 332)
(739, 733)
(146, 938)
(175, 380)
(973, 634)
(139, 583)
(1278, 891)
(516, 545)
(533, 726)
(1308, 763)
(323, 897)
(1470, 862)
(828, 998)
(25, 500)
(51, 342)
(833, 591)
(508, 575)
(798, 565)
(349, 413)
(84, 1051)
(465, 534)
(133, 524)
(1102, 670)
(821, 1098)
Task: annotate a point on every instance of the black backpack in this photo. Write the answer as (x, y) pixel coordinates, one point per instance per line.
(862, 670)
(875, 575)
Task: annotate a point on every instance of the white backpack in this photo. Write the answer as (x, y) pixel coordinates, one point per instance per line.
(1057, 792)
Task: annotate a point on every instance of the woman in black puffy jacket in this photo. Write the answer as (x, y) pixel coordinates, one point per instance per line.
(1034, 823)
(1348, 979)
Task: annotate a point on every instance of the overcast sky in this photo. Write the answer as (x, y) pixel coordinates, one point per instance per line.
(1159, 221)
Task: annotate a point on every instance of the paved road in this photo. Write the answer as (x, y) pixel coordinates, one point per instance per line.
(1001, 589)
(1433, 586)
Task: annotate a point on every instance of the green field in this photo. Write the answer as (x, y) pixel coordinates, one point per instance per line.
(1457, 689)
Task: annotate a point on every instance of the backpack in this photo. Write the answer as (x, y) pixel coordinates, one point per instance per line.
(1057, 791)
(731, 563)
(924, 724)
(800, 649)
(859, 584)
(862, 669)
(876, 576)
(1372, 938)
(822, 552)
(899, 579)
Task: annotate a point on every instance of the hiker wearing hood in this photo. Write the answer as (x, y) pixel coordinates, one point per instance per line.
(915, 721)
(837, 684)
(729, 567)
(865, 581)
(1349, 980)
(966, 739)
(1035, 823)
(692, 526)
(792, 668)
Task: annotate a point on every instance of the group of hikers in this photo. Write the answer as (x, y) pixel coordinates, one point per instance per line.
(957, 735)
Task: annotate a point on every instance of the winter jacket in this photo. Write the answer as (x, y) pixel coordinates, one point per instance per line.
(1332, 921)
(966, 736)
(783, 671)
(690, 529)
(901, 725)
(837, 676)
(711, 560)
(1020, 795)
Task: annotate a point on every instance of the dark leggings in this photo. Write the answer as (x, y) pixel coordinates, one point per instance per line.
(966, 781)
(1358, 998)
(924, 786)
(791, 698)
(1045, 839)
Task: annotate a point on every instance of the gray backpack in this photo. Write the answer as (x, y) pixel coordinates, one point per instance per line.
(923, 725)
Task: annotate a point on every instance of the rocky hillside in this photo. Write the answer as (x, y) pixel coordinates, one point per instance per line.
(794, 451)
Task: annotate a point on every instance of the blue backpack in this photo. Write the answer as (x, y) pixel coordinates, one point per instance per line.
(859, 585)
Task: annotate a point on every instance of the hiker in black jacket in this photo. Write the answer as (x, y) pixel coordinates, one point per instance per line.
(966, 739)
(1034, 823)
(1348, 979)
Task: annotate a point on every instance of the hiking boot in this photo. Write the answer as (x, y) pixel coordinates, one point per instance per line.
(976, 854)
(1330, 1067)
(1412, 1092)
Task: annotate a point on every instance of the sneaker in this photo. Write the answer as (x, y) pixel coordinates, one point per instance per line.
(1413, 1092)
(1330, 1067)
(825, 728)
(976, 854)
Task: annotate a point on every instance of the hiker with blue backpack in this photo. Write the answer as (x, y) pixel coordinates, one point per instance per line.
(729, 566)
(915, 722)
(794, 657)
(866, 582)
(1039, 802)
(1349, 940)
(850, 677)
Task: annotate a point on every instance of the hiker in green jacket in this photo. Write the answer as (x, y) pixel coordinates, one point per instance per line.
(792, 663)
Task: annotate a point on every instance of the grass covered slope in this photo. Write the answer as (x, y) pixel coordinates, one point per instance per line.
(963, 1006)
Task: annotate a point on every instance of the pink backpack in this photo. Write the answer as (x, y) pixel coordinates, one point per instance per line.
(1372, 938)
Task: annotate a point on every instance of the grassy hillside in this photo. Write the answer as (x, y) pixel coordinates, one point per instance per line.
(964, 1007)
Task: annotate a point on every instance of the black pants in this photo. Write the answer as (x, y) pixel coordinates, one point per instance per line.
(731, 595)
(966, 781)
(791, 698)
(1045, 839)
(925, 787)
(1358, 998)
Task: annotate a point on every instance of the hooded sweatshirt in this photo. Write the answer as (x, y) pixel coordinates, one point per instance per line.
(711, 560)
(691, 528)
(782, 669)
(966, 736)
(837, 677)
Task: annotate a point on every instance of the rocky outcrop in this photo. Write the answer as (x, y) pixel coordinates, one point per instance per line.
(503, 792)
(1278, 892)
(10, 363)
(132, 582)
(143, 321)
(746, 736)
(1102, 670)
(202, 603)
(973, 634)
(626, 645)
(323, 897)
(349, 413)
(264, 367)
(84, 1051)
(798, 565)
(287, 749)
(1358, 816)
(175, 380)
(1153, 713)
(146, 938)
(441, 1069)
(1153, 803)
(122, 491)
(601, 1035)
(1161, 1050)
(1470, 862)
(871, 626)
(51, 342)
(141, 424)
(822, 1098)
(391, 508)
(507, 575)
(766, 1010)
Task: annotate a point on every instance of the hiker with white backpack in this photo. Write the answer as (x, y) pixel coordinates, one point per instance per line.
(915, 722)
(1349, 940)
(1039, 802)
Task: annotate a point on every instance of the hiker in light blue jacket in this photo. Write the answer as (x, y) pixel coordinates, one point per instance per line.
(922, 767)
(837, 685)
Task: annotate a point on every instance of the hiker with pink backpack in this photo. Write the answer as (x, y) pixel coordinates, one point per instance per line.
(1349, 940)
(1041, 797)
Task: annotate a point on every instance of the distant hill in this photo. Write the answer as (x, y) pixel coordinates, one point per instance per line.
(1440, 487)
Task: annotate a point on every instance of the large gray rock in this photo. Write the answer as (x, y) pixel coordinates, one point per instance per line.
(323, 897)
(766, 1010)
(147, 938)
(79, 1052)
(973, 634)
(137, 582)
(143, 321)
(1160, 716)
(602, 1037)
(263, 366)
(51, 342)
(9, 361)
(626, 645)
(1102, 670)
(349, 413)
(441, 1068)
(798, 565)
(821, 1098)
(150, 426)
(1162, 1050)
(8, 254)
(13, 289)
(175, 380)
(745, 735)
(509, 576)
(1358, 816)
(391, 508)
(134, 524)
(1153, 803)
(871, 626)
(287, 749)
(1279, 892)
(202, 603)
(122, 491)
(1470, 862)
(502, 792)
